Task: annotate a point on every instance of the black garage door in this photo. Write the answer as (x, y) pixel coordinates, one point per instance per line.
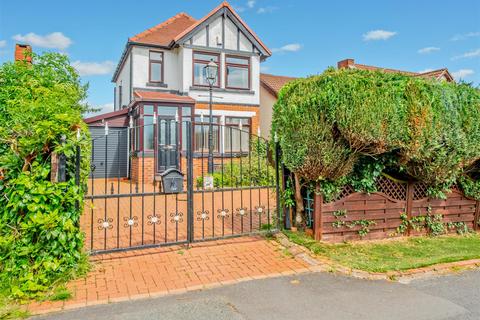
(109, 153)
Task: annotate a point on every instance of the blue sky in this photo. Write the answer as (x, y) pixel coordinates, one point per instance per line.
(306, 36)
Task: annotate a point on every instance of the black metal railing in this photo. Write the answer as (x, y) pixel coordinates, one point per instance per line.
(126, 204)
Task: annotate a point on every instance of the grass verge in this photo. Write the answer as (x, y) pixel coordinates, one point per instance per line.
(394, 255)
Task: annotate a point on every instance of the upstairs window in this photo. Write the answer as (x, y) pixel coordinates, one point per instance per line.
(200, 60)
(238, 72)
(156, 66)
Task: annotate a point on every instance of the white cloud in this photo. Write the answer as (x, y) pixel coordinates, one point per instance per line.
(465, 36)
(264, 68)
(378, 35)
(469, 54)
(428, 50)
(462, 73)
(266, 10)
(239, 9)
(291, 47)
(251, 3)
(93, 68)
(3, 43)
(55, 40)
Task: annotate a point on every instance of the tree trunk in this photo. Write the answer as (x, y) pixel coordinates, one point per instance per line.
(300, 209)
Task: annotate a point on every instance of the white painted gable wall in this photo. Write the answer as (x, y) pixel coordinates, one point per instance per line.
(178, 66)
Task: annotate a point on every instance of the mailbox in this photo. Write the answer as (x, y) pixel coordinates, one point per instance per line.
(172, 181)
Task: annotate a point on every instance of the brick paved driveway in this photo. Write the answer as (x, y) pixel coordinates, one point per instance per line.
(167, 270)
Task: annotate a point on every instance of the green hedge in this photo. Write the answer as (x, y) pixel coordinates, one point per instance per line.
(331, 124)
(40, 239)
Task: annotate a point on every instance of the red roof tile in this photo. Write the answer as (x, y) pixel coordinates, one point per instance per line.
(274, 83)
(161, 97)
(164, 33)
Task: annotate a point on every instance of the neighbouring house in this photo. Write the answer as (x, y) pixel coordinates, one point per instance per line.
(161, 73)
(270, 85)
(439, 74)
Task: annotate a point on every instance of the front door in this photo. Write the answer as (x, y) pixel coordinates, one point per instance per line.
(168, 144)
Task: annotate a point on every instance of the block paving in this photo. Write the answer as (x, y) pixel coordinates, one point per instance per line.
(176, 269)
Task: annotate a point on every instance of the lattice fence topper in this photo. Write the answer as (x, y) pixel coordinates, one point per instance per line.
(393, 189)
(419, 191)
(346, 191)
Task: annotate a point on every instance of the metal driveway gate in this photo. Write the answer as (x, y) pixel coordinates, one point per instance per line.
(132, 209)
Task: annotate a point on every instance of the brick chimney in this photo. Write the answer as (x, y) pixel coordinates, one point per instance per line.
(345, 64)
(21, 50)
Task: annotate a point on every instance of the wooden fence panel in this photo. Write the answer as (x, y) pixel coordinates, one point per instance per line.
(354, 216)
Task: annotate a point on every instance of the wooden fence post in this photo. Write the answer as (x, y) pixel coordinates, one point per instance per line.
(409, 208)
(317, 213)
(477, 215)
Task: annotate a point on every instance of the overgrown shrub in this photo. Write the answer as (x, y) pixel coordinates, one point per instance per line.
(40, 239)
(253, 169)
(346, 126)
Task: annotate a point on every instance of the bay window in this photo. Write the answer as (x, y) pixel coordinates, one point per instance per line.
(148, 127)
(201, 134)
(226, 139)
(238, 72)
(200, 60)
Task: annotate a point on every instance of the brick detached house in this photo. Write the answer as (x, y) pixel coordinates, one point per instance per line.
(161, 73)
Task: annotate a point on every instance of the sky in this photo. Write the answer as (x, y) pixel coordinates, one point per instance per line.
(306, 37)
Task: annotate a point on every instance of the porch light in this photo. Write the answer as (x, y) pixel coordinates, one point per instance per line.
(211, 72)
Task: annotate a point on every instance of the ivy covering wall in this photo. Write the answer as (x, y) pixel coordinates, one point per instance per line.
(40, 238)
(349, 126)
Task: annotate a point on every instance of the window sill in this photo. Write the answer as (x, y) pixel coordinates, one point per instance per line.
(156, 84)
(198, 88)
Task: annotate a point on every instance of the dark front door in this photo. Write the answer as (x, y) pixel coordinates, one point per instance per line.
(168, 144)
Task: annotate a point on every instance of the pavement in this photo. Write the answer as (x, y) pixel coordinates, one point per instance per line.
(318, 295)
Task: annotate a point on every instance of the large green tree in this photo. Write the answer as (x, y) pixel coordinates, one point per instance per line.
(40, 239)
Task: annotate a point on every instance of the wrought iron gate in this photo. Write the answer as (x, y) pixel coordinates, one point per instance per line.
(133, 211)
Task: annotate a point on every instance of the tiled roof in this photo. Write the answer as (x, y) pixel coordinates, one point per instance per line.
(436, 74)
(161, 97)
(164, 33)
(274, 83)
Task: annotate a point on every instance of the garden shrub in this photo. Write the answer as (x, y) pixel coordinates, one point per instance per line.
(347, 126)
(249, 170)
(40, 238)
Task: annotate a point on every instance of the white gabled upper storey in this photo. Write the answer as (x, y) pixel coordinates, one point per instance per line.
(170, 58)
